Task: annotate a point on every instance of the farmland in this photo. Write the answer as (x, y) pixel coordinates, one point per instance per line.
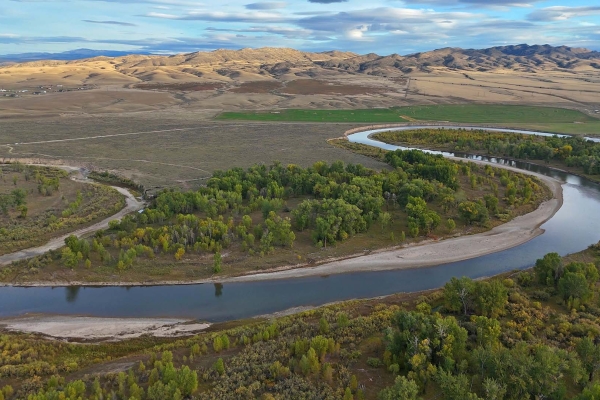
(558, 120)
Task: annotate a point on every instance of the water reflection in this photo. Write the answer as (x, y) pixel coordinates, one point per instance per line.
(218, 289)
(71, 293)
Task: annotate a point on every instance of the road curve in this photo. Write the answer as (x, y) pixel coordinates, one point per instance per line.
(132, 204)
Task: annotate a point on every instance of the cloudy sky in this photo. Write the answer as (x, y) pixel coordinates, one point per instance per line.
(379, 26)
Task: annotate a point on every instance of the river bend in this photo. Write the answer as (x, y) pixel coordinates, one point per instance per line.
(573, 228)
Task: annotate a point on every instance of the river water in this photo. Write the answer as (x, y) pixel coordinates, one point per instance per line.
(572, 229)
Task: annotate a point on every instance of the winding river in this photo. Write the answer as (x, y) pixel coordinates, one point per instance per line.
(573, 228)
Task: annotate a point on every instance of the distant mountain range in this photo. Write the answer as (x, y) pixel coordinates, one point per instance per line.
(76, 54)
(517, 56)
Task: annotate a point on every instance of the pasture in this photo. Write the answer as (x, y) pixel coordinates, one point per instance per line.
(551, 119)
(171, 150)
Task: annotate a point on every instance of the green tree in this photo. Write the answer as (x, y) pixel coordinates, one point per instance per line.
(219, 367)
(455, 387)
(488, 331)
(69, 258)
(450, 224)
(385, 218)
(217, 260)
(458, 294)
(348, 394)
(472, 212)
(187, 381)
(323, 325)
(403, 389)
(574, 285)
(589, 353)
(23, 211)
(19, 196)
(549, 269)
(490, 298)
(493, 389)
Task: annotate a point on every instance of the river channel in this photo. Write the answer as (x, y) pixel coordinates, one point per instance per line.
(573, 228)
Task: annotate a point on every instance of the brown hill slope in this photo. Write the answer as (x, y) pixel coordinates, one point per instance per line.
(284, 64)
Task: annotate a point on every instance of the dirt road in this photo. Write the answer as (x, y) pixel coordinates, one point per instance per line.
(132, 204)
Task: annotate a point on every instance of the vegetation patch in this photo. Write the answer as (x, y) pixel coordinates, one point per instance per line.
(263, 217)
(373, 115)
(38, 203)
(575, 153)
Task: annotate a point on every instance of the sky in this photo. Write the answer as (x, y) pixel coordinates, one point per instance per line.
(362, 26)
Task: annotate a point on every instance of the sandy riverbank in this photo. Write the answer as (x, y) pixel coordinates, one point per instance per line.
(106, 329)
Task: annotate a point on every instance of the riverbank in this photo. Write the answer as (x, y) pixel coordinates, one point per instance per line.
(101, 329)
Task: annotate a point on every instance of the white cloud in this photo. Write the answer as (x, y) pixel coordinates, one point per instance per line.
(221, 16)
(562, 13)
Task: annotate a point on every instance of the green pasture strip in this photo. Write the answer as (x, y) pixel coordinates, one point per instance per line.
(467, 113)
(370, 115)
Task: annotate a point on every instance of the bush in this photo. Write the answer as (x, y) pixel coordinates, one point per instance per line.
(374, 362)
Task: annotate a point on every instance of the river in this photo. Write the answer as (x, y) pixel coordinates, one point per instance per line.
(573, 228)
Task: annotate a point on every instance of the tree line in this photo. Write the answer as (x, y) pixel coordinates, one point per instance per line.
(572, 151)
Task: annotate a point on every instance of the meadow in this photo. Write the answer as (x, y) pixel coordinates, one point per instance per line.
(559, 120)
(171, 150)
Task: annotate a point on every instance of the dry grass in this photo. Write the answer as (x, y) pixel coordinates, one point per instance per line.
(178, 149)
(257, 87)
(318, 87)
(183, 87)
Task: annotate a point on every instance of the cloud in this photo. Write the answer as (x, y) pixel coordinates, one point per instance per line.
(327, 1)
(381, 19)
(18, 39)
(484, 3)
(266, 5)
(109, 22)
(313, 13)
(288, 32)
(561, 13)
(186, 3)
(219, 16)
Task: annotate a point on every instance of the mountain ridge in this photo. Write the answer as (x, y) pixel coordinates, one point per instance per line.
(284, 64)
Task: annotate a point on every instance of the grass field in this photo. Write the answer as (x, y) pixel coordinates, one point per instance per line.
(172, 150)
(558, 120)
(372, 115)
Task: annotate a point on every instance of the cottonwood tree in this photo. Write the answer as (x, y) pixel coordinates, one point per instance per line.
(457, 294)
